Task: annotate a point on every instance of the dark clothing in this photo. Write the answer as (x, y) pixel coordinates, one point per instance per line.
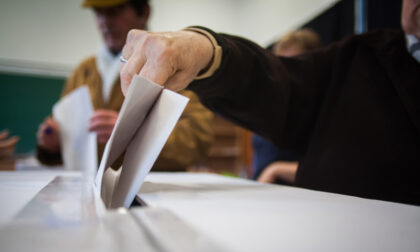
(266, 153)
(352, 110)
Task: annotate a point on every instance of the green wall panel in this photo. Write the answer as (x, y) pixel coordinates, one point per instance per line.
(25, 101)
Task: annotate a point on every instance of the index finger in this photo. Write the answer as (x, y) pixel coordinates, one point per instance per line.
(9, 142)
(134, 64)
(152, 57)
(4, 134)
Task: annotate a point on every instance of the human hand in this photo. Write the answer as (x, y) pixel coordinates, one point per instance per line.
(283, 170)
(102, 122)
(48, 135)
(7, 146)
(171, 59)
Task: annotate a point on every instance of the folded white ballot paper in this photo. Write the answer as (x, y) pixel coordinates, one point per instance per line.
(78, 145)
(147, 117)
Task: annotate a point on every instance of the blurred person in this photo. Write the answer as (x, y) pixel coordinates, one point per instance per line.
(350, 109)
(191, 138)
(271, 164)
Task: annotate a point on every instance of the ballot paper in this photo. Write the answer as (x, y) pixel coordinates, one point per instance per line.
(147, 117)
(78, 145)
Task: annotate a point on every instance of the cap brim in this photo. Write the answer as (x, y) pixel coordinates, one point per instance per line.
(102, 3)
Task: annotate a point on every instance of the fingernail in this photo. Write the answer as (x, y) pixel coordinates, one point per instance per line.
(48, 131)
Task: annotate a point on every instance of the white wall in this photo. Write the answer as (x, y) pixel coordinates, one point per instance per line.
(56, 34)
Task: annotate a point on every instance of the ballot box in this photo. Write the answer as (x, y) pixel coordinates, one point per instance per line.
(54, 211)
(66, 215)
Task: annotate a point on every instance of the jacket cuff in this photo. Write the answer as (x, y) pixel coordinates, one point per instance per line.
(48, 158)
(217, 52)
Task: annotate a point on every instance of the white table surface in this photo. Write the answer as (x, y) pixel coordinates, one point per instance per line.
(52, 211)
(18, 188)
(242, 215)
(238, 215)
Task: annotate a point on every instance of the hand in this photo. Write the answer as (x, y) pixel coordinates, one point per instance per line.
(282, 170)
(7, 146)
(171, 59)
(48, 135)
(102, 122)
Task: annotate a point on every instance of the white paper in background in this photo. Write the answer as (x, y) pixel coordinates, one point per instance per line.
(141, 135)
(78, 145)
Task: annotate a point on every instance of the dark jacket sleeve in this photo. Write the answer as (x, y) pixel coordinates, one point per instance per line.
(48, 158)
(278, 98)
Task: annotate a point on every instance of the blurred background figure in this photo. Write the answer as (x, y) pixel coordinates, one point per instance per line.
(191, 138)
(7, 149)
(271, 164)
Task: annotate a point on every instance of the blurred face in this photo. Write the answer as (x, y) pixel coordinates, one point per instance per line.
(289, 51)
(115, 23)
(410, 17)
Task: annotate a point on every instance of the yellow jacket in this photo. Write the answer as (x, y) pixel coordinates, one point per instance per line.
(188, 143)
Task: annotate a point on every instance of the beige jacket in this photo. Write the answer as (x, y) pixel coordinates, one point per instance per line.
(187, 145)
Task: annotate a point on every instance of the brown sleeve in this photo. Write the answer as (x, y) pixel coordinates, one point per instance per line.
(48, 158)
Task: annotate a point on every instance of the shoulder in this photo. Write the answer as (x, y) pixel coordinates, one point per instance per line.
(364, 45)
(83, 72)
(87, 63)
(376, 39)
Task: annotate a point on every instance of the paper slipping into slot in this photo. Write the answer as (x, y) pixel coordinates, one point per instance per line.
(147, 117)
(135, 107)
(78, 145)
(133, 111)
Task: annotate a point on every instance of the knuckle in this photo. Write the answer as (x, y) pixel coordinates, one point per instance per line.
(135, 35)
(160, 44)
(132, 35)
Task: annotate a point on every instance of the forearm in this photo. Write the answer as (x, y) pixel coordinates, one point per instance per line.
(260, 91)
(286, 170)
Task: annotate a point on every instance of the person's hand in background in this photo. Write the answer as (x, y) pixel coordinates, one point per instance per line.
(48, 135)
(7, 145)
(102, 122)
(279, 170)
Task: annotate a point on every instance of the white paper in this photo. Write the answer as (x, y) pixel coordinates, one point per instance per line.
(78, 145)
(146, 119)
(140, 97)
(148, 142)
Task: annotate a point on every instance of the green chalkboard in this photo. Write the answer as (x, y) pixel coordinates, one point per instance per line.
(25, 101)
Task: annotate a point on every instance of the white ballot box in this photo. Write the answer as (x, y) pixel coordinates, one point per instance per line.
(197, 212)
(67, 216)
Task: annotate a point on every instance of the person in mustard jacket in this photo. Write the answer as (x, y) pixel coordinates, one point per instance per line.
(192, 137)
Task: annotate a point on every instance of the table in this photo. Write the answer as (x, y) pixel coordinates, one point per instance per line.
(243, 215)
(208, 212)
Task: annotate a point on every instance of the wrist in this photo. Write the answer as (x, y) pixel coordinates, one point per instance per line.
(216, 56)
